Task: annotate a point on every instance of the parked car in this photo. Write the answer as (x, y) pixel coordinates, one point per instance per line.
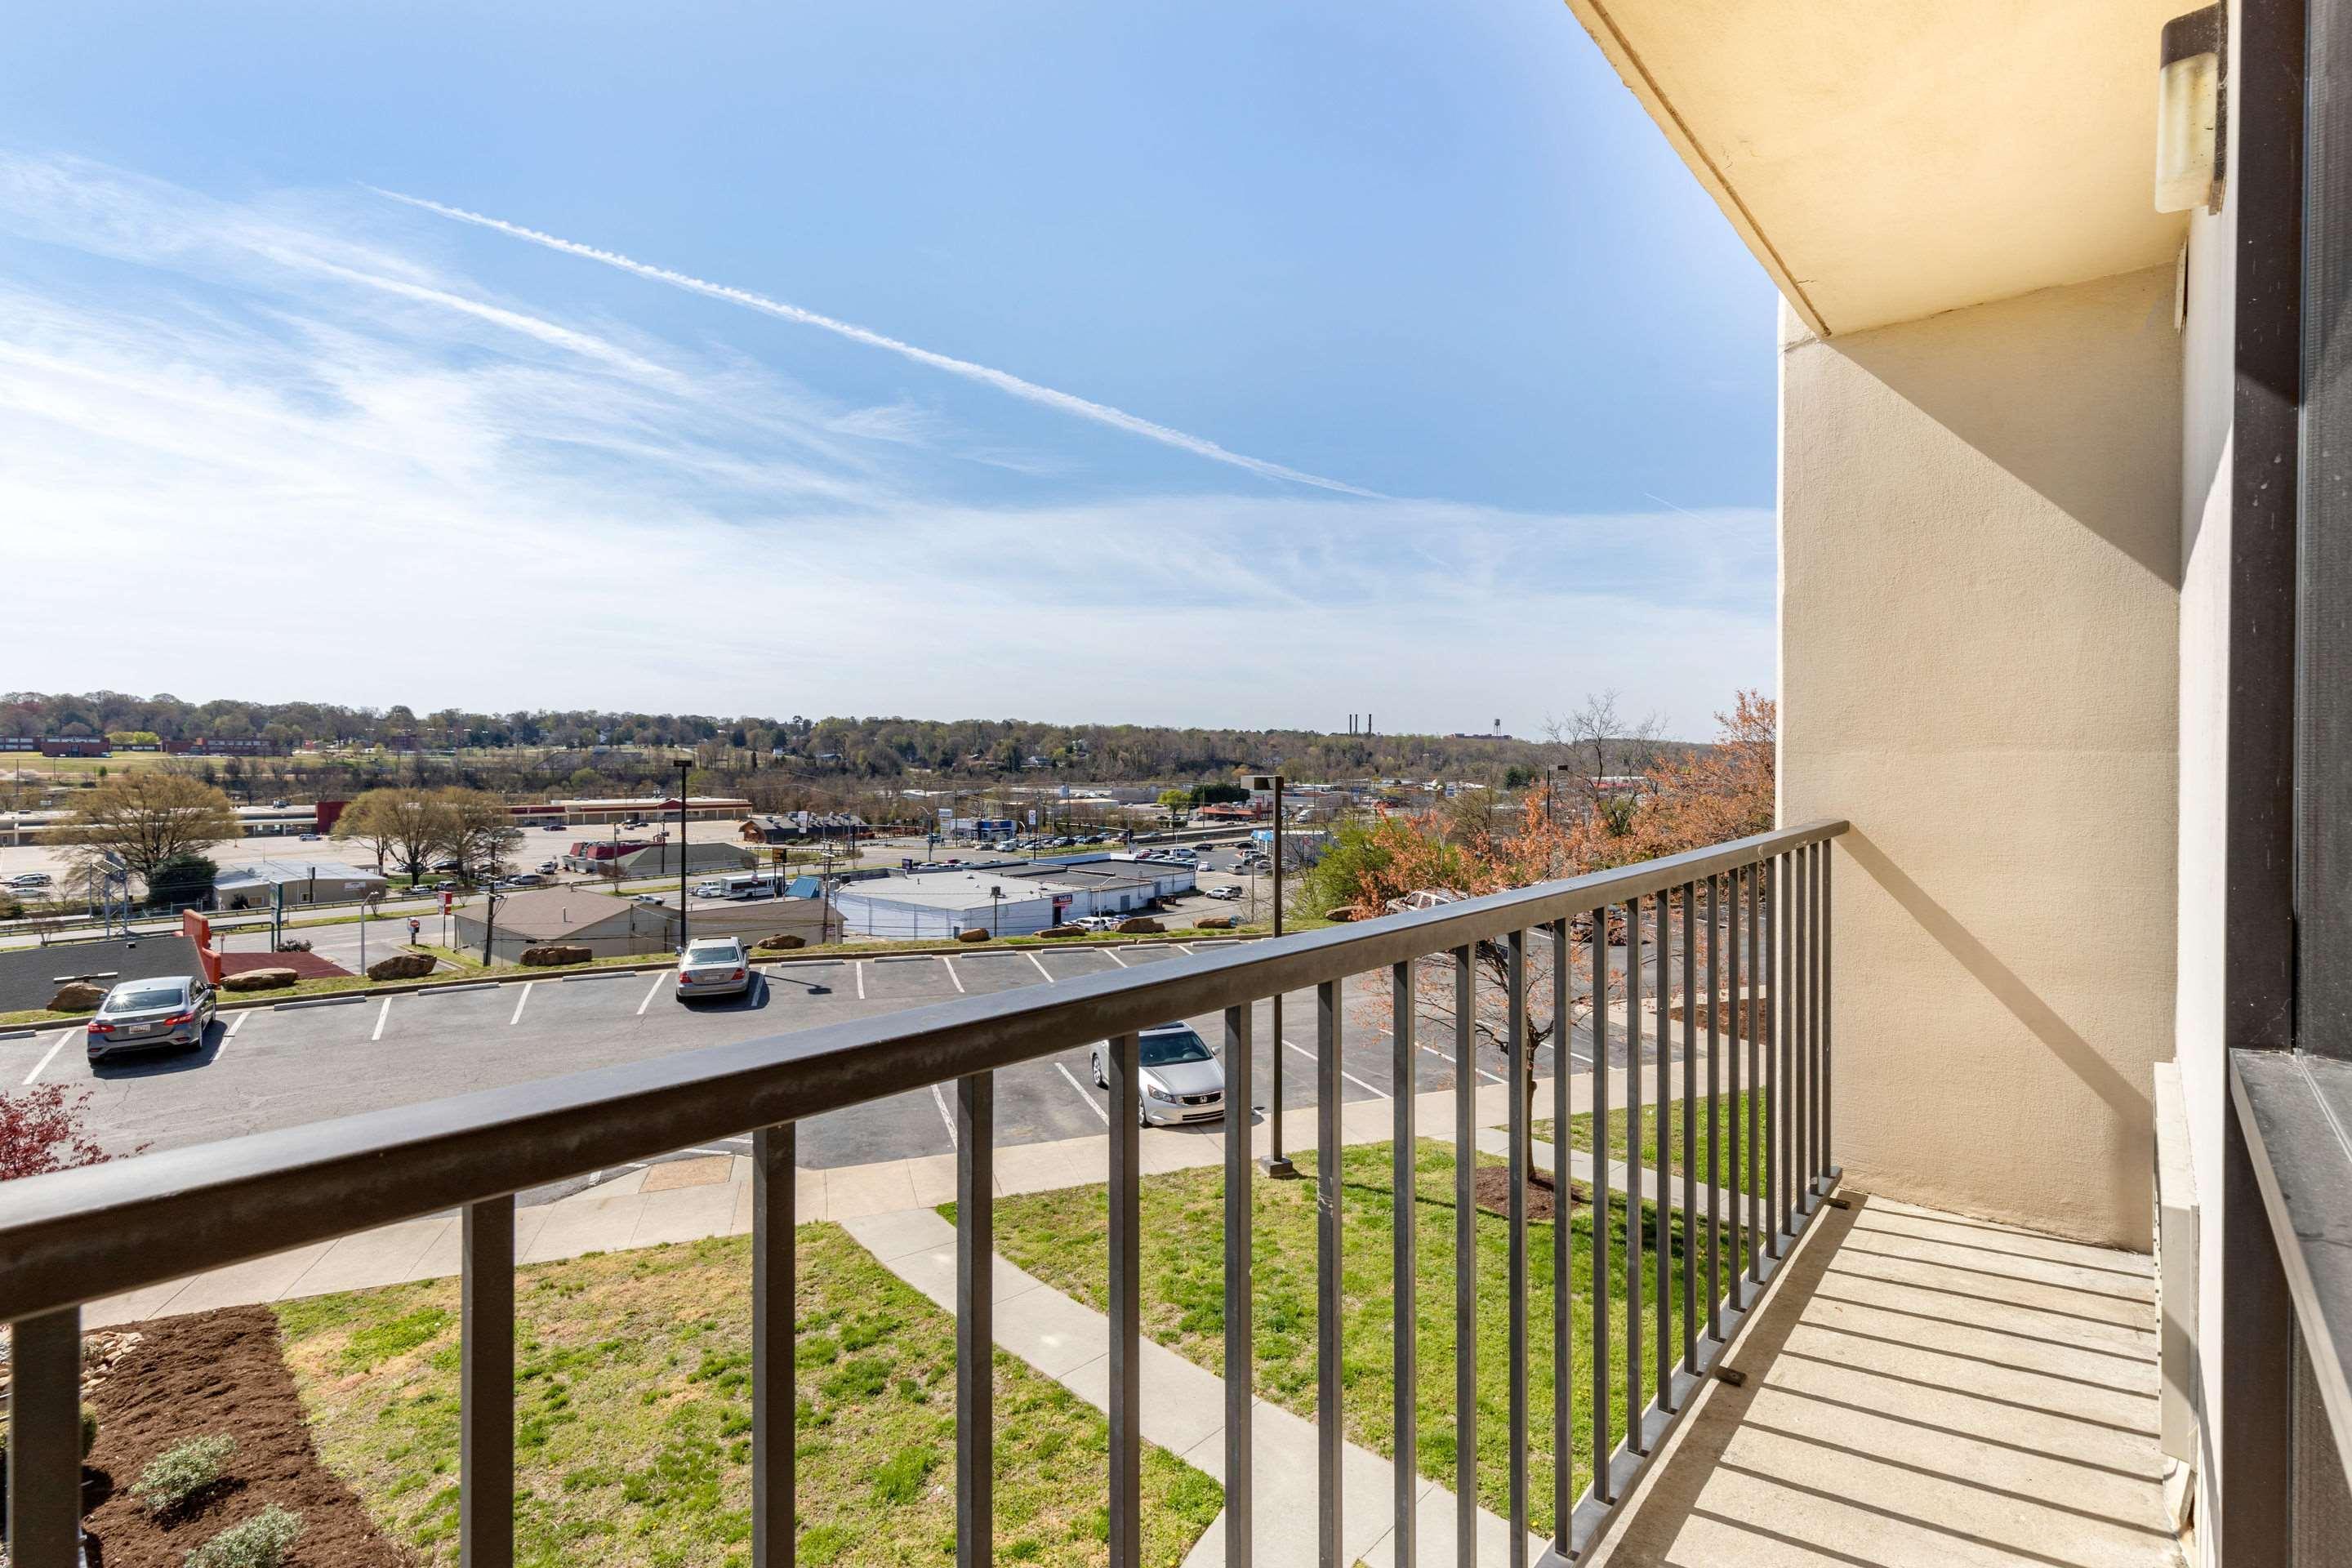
(1096, 923)
(29, 879)
(711, 889)
(143, 1015)
(549, 867)
(650, 898)
(1228, 892)
(550, 827)
(712, 966)
(1181, 1077)
(309, 839)
(525, 880)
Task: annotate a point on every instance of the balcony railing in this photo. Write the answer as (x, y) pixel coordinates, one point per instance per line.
(1755, 921)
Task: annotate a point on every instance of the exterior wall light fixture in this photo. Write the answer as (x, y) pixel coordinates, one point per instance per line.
(2192, 110)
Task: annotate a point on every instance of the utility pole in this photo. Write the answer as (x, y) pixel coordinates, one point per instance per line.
(1277, 1163)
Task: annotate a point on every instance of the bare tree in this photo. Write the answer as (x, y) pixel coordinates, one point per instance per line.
(1598, 748)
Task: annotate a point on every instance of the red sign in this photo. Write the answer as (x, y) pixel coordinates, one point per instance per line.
(446, 901)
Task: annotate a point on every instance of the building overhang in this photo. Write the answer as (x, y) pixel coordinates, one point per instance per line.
(1889, 162)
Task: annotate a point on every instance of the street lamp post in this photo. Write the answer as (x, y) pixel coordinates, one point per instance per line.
(685, 765)
(1277, 1163)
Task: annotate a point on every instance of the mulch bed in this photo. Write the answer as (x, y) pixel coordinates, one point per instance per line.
(1493, 1186)
(309, 965)
(201, 1375)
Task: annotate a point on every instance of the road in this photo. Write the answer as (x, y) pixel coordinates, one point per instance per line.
(270, 1068)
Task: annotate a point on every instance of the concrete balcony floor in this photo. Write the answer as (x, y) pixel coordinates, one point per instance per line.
(1923, 1389)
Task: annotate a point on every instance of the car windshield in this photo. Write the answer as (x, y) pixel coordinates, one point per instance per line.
(711, 953)
(1167, 1050)
(132, 999)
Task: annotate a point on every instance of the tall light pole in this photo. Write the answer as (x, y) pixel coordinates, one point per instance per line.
(1277, 1163)
(685, 765)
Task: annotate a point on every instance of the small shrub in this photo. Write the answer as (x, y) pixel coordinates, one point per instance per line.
(259, 1542)
(181, 1471)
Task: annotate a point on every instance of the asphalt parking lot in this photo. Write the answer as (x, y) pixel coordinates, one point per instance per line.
(275, 1066)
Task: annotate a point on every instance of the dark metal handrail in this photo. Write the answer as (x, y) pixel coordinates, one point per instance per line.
(77, 1235)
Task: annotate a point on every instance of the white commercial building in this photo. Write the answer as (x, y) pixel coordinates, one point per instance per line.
(1007, 901)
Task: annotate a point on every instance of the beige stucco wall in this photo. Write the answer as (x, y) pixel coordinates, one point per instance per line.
(1979, 550)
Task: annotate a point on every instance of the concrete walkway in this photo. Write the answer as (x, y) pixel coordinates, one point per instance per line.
(1182, 1407)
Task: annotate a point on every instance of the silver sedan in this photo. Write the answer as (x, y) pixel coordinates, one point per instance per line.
(1181, 1078)
(713, 967)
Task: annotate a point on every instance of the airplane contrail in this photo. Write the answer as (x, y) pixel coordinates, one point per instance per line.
(1003, 380)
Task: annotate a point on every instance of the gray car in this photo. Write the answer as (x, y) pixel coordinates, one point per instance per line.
(170, 1011)
(1181, 1079)
(712, 966)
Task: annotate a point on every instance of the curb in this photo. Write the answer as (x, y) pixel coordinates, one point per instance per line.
(346, 999)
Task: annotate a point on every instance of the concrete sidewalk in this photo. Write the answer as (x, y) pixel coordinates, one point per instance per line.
(1182, 1409)
(687, 1200)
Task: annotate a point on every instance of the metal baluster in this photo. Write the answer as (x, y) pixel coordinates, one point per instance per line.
(1714, 1099)
(1662, 1053)
(1735, 1237)
(1636, 1392)
(1465, 1265)
(1819, 855)
(1126, 1322)
(1600, 1389)
(1784, 1115)
(1802, 1039)
(486, 1381)
(1514, 955)
(1829, 1010)
(975, 1167)
(1690, 1137)
(1239, 1197)
(1750, 1021)
(1330, 1441)
(775, 1404)
(45, 1440)
(1405, 1472)
(1563, 1464)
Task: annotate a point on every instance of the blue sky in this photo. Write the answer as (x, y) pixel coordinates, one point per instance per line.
(1333, 357)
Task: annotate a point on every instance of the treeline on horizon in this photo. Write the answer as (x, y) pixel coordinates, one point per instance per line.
(849, 748)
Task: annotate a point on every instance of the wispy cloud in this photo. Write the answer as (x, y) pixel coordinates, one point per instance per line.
(1003, 381)
(679, 526)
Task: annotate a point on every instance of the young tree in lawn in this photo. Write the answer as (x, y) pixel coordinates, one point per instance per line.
(1402, 861)
(149, 817)
(405, 826)
(1599, 745)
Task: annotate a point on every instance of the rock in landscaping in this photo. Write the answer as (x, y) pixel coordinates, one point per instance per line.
(554, 952)
(1063, 931)
(402, 967)
(76, 997)
(1139, 925)
(259, 980)
(1215, 922)
(782, 941)
(1341, 915)
(972, 934)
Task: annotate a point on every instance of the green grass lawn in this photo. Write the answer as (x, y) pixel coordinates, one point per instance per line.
(634, 1418)
(1728, 1107)
(1061, 1238)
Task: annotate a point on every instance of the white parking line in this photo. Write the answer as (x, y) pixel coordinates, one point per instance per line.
(954, 976)
(1041, 967)
(1112, 954)
(651, 991)
(1092, 1104)
(49, 1056)
(859, 966)
(517, 1015)
(1352, 1078)
(239, 1024)
(939, 1097)
(381, 1014)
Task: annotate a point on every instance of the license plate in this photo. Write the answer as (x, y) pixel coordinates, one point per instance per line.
(139, 1029)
